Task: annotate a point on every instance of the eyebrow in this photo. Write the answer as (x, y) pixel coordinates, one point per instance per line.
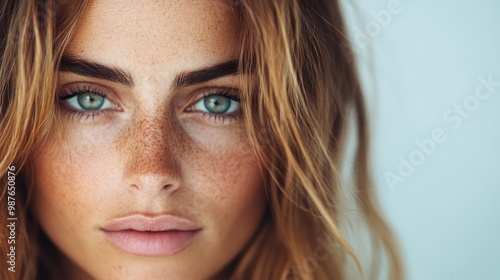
(206, 74)
(92, 69)
(95, 70)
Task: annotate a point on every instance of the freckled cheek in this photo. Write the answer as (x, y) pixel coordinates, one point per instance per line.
(74, 174)
(225, 158)
(234, 200)
(226, 163)
(91, 142)
(234, 183)
(57, 200)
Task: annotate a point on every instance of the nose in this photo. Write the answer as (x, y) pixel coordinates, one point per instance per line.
(151, 165)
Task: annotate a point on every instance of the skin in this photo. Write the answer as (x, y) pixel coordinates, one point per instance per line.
(147, 153)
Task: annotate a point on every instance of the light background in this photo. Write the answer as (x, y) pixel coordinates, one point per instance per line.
(415, 67)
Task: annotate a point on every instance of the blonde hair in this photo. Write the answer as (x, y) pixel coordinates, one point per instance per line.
(33, 36)
(296, 110)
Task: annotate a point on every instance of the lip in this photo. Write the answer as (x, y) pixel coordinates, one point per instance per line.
(164, 235)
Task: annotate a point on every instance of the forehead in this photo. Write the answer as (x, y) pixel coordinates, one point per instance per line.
(160, 34)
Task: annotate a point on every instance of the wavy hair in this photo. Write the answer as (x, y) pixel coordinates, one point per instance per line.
(297, 110)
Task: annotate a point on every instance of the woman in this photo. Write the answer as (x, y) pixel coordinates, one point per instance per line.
(181, 140)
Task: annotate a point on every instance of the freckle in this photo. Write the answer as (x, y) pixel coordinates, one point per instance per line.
(153, 143)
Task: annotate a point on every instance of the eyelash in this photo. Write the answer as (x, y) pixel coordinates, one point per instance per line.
(92, 115)
(78, 114)
(226, 92)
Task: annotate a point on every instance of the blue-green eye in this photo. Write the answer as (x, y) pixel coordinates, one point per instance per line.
(88, 101)
(218, 104)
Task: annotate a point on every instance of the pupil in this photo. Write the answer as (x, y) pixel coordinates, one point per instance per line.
(90, 101)
(217, 104)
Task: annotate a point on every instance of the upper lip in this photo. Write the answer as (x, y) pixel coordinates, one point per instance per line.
(140, 222)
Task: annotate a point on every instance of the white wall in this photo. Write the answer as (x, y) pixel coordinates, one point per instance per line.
(427, 59)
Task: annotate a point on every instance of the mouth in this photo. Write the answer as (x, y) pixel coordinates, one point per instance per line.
(159, 236)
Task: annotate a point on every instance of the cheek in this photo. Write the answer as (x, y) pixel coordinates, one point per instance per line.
(240, 200)
(233, 182)
(54, 205)
(224, 169)
(230, 187)
(70, 181)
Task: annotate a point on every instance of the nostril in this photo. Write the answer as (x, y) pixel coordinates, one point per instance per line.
(153, 183)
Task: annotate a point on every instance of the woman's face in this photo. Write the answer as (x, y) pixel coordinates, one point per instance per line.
(152, 176)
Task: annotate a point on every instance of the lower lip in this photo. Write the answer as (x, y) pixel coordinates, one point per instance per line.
(150, 243)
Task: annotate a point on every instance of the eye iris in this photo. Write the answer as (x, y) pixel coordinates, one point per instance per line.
(90, 101)
(217, 104)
